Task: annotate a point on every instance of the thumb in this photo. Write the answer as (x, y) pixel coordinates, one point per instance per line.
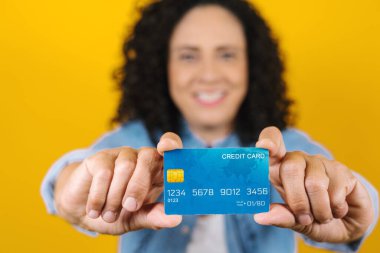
(279, 215)
(271, 138)
(169, 141)
(152, 216)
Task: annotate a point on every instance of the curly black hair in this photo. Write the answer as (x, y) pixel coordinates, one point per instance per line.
(143, 77)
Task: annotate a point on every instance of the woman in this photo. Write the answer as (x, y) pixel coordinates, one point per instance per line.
(206, 73)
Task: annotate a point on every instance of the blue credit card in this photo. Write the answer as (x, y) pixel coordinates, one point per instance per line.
(216, 181)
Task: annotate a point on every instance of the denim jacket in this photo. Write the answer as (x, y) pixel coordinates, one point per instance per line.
(241, 231)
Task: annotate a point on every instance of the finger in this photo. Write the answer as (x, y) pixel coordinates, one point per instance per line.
(100, 166)
(271, 138)
(169, 141)
(341, 184)
(279, 215)
(124, 167)
(316, 185)
(152, 216)
(149, 162)
(292, 174)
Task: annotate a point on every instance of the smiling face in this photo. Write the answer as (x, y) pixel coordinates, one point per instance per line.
(207, 68)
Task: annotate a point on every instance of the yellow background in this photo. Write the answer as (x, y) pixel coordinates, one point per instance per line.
(56, 60)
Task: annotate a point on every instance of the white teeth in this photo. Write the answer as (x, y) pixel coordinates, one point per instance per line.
(209, 97)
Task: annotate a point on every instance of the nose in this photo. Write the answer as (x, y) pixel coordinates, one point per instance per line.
(209, 72)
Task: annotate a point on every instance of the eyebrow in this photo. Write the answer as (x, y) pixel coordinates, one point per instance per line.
(192, 48)
(195, 48)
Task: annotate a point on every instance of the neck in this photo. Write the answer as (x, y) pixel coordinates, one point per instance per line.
(210, 134)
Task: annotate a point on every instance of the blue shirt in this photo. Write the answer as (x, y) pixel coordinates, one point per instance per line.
(242, 233)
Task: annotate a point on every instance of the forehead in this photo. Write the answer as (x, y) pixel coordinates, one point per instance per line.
(208, 25)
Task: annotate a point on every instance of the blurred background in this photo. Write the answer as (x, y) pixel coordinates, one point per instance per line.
(57, 94)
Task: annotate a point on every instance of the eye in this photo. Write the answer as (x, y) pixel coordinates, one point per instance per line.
(187, 57)
(228, 55)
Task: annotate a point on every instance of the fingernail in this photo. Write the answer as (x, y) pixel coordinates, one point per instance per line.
(109, 216)
(169, 142)
(130, 204)
(258, 143)
(93, 214)
(260, 217)
(304, 219)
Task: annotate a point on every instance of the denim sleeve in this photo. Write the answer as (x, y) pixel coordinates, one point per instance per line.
(297, 140)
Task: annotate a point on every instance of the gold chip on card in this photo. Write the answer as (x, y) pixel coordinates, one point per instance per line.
(175, 176)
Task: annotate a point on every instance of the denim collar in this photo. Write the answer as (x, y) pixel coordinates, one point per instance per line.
(191, 140)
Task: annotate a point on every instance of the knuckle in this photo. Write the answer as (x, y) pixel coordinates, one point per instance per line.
(93, 161)
(90, 161)
(291, 168)
(298, 153)
(319, 156)
(137, 187)
(149, 157)
(124, 170)
(127, 165)
(127, 152)
(96, 200)
(324, 217)
(299, 206)
(124, 164)
(340, 167)
(113, 204)
(147, 154)
(104, 174)
(314, 185)
(121, 176)
(127, 149)
(339, 206)
(102, 155)
(352, 181)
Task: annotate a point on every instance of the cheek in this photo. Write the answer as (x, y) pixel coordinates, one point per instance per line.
(242, 77)
(237, 73)
(178, 85)
(239, 88)
(179, 78)
(238, 77)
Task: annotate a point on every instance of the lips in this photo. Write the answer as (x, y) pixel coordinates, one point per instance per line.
(210, 98)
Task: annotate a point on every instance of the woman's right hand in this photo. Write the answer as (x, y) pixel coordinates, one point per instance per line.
(115, 190)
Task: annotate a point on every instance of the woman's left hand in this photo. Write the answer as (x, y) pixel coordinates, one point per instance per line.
(323, 199)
